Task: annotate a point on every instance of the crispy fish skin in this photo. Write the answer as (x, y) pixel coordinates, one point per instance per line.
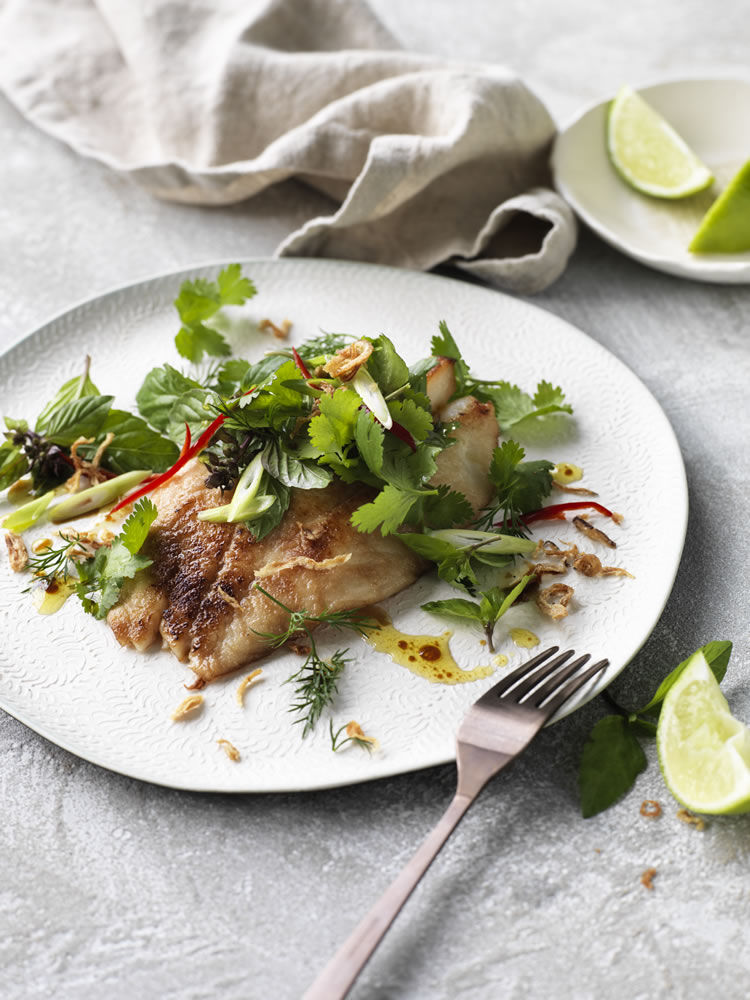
(198, 593)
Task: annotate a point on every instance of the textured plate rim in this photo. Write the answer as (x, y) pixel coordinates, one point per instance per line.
(680, 516)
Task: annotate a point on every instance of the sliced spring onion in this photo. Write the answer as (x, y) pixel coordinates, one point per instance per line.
(97, 496)
(369, 392)
(29, 513)
(490, 541)
(245, 505)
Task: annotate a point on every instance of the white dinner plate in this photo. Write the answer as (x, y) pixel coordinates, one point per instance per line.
(713, 117)
(65, 675)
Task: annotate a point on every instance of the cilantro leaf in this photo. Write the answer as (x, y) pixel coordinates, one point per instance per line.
(521, 486)
(332, 430)
(453, 564)
(387, 511)
(512, 405)
(417, 420)
(101, 578)
(369, 435)
(446, 509)
(198, 302)
(612, 759)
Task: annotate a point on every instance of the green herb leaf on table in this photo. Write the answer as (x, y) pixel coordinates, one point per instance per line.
(717, 656)
(612, 759)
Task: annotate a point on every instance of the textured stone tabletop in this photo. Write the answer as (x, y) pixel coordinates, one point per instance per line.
(113, 888)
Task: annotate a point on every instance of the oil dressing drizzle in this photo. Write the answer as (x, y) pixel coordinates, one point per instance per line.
(428, 656)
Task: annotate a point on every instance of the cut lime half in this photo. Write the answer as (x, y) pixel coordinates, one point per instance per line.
(648, 153)
(704, 751)
(725, 228)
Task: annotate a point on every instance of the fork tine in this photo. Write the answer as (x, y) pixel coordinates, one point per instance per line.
(510, 679)
(538, 676)
(553, 684)
(570, 689)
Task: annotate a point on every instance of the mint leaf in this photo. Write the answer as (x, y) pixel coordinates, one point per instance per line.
(161, 390)
(612, 759)
(455, 607)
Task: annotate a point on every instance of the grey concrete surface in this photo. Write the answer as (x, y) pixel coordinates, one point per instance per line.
(111, 888)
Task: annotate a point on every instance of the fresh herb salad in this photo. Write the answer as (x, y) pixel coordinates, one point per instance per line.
(336, 407)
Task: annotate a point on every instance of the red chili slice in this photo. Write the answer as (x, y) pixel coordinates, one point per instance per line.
(301, 364)
(557, 510)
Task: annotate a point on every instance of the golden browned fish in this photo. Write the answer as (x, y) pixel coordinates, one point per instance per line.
(198, 596)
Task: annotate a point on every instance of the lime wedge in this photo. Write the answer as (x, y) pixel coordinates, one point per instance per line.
(704, 751)
(648, 153)
(725, 228)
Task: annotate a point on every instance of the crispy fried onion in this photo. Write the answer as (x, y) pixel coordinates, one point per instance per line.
(245, 684)
(580, 491)
(187, 707)
(354, 731)
(83, 467)
(229, 749)
(595, 534)
(650, 808)
(553, 601)
(300, 562)
(586, 563)
(647, 879)
(685, 816)
(279, 332)
(348, 360)
(590, 565)
(18, 554)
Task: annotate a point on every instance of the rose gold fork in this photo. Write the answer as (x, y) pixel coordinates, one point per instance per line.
(495, 730)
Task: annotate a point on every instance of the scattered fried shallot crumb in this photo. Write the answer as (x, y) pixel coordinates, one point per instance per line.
(229, 749)
(355, 732)
(595, 534)
(245, 684)
(230, 599)
(647, 878)
(346, 363)
(538, 569)
(650, 808)
(685, 816)
(41, 545)
(616, 571)
(300, 562)
(18, 554)
(553, 601)
(187, 707)
(580, 490)
(197, 685)
(280, 332)
(90, 470)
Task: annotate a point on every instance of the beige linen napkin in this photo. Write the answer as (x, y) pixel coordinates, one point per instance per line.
(210, 101)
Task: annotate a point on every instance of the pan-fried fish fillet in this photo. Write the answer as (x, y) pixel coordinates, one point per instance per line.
(198, 595)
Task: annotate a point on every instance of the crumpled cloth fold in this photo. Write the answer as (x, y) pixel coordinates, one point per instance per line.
(208, 102)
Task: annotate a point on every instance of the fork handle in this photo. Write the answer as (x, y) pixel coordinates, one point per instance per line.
(336, 979)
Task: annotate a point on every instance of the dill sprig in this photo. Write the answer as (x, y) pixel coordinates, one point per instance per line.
(317, 679)
(56, 563)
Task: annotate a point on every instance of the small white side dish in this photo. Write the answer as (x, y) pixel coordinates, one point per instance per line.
(713, 116)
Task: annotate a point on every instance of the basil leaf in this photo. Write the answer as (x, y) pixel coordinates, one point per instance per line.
(293, 471)
(13, 464)
(455, 607)
(135, 445)
(74, 388)
(717, 656)
(188, 409)
(612, 759)
(78, 418)
(161, 389)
